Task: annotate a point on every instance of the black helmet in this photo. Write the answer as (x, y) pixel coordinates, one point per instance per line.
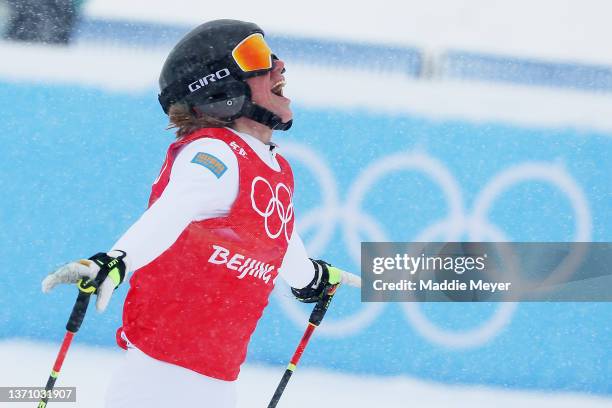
(205, 70)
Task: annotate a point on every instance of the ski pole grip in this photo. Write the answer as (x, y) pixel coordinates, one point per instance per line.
(78, 312)
(321, 307)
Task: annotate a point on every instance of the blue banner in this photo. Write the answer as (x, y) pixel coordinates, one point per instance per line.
(77, 168)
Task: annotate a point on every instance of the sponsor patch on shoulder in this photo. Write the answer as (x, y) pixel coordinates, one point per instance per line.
(211, 163)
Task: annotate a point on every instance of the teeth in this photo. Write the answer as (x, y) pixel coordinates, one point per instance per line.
(278, 87)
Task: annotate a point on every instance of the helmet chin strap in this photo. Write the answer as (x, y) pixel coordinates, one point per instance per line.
(264, 116)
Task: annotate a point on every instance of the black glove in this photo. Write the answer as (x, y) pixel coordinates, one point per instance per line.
(325, 276)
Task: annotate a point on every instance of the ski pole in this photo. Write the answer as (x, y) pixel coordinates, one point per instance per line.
(315, 319)
(86, 288)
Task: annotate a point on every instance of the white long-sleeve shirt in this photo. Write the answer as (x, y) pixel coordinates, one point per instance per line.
(194, 193)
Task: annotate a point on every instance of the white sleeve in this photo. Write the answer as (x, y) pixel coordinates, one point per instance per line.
(194, 193)
(297, 269)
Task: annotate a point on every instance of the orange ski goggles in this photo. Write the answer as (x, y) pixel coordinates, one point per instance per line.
(253, 54)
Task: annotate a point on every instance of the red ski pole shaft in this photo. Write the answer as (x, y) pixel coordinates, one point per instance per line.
(73, 325)
(313, 322)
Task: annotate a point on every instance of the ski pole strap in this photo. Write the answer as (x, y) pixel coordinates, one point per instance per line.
(322, 305)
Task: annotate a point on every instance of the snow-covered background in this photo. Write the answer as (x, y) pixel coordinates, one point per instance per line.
(67, 110)
(550, 29)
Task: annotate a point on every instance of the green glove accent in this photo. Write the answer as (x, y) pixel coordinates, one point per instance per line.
(115, 275)
(112, 267)
(335, 274)
(325, 275)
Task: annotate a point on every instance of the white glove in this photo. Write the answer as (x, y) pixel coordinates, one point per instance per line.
(113, 270)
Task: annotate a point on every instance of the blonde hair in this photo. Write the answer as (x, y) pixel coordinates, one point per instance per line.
(185, 121)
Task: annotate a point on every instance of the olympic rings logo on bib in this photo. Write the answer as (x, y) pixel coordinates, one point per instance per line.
(275, 205)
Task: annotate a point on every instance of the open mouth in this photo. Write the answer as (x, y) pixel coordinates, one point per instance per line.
(277, 88)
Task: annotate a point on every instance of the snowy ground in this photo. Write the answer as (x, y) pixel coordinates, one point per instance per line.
(90, 368)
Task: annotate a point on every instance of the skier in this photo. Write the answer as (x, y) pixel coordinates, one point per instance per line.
(219, 227)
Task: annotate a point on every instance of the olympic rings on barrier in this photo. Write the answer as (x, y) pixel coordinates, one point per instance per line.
(475, 224)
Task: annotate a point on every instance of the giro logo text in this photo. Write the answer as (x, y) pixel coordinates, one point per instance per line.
(205, 80)
(240, 263)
